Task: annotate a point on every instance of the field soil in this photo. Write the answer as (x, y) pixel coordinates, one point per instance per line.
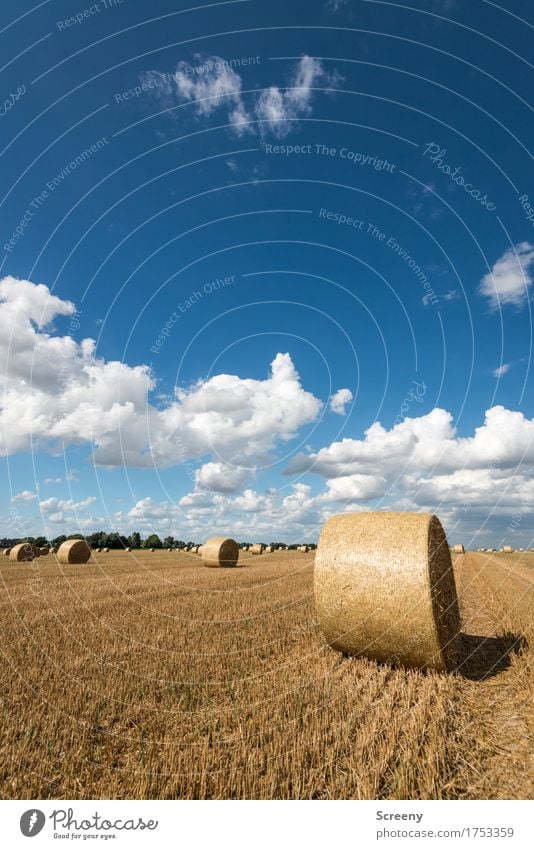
(146, 675)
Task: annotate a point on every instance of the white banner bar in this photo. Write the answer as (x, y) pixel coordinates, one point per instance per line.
(254, 825)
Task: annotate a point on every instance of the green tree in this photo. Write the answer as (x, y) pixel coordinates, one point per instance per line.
(153, 541)
(59, 540)
(134, 540)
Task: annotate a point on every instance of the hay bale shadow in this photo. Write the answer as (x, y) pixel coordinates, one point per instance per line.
(484, 657)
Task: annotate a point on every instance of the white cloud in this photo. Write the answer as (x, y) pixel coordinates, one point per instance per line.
(510, 280)
(221, 477)
(56, 392)
(53, 480)
(278, 109)
(58, 504)
(502, 369)
(339, 401)
(25, 495)
(423, 462)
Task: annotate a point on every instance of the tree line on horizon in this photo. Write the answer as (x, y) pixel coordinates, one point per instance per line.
(114, 540)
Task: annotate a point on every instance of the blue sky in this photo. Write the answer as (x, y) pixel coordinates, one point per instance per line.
(301, 239)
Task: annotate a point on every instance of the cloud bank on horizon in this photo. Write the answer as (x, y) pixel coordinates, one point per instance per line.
(55, 391)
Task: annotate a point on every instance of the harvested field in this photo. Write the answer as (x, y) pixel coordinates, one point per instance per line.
(144, 675)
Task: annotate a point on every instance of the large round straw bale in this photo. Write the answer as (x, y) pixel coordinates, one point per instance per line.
(24, 552)
(459, 549)
(6, 552)
(74, 551)
(44, 551)
(255, 549)
(220, 551)
(507, 549)
(385, 589)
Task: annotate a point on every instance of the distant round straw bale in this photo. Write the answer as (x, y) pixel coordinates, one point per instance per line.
(53, 550)
(459, 549)
(220, 551)
(24, 552)
(269, 549)
(507, 549)
(105, 550)
(128, 549)
(6, 552)
(74, 551)
(169, 549)
(385, 589)
(152, 549)
(255, 549)
(44, 551)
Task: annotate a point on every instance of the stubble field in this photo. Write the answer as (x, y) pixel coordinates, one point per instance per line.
(146, 675)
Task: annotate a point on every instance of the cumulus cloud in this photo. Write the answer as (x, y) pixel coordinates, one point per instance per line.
(427, 444)
(423, 461)
(221, 477)
(510, 279)
(25, 495)
(420, 464)
(339, 401)
(251, 515)
(55, 391)
(49, 505)
(211, 84)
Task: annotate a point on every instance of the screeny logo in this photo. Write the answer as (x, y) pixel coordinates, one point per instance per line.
(32, 822)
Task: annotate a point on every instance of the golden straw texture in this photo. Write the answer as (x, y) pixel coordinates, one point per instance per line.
(6, 552)
(385, 589)
(507, 549)
(74, 551)
(255, 549)
(22, 553)
(459, 549)
(220, 551)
